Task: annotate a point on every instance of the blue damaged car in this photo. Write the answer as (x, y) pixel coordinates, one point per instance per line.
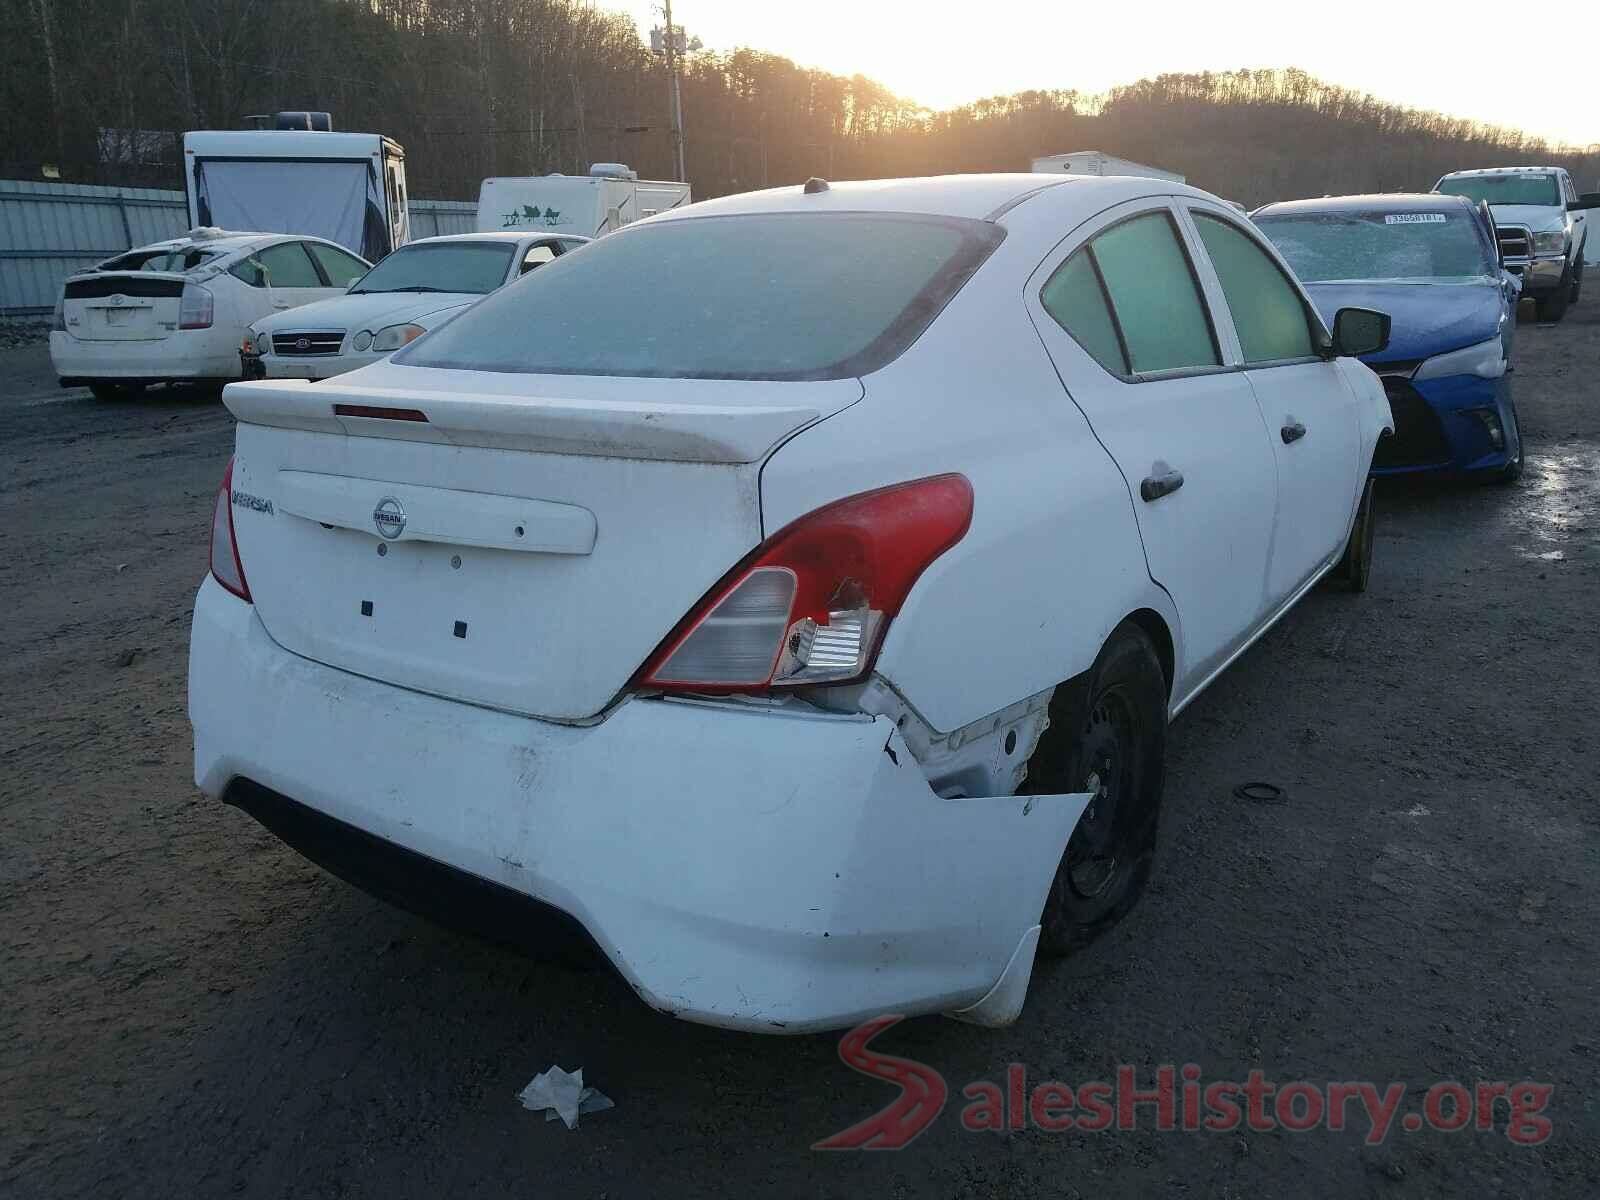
(1433, 264)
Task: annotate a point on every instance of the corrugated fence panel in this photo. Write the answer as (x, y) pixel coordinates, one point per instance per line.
(50, 230)
(430, 218)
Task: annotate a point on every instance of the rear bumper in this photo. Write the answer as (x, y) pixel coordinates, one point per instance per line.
(410, 880)
(773, 871)
(180, 356)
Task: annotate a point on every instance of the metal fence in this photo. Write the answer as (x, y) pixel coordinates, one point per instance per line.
(50, 230)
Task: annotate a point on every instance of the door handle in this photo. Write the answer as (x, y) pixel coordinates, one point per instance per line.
(1156, 486)
(1293, 431)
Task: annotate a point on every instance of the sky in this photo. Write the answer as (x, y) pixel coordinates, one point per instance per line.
(1443, 56)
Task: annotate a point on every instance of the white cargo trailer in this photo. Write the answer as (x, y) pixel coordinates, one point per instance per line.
(347, 187)
(1093, 162)
(610, 196)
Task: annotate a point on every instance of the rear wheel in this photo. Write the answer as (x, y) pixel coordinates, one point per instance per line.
(115, 391)
(1107, 736)
(1355, 568)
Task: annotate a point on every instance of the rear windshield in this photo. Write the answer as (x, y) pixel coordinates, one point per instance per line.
(1423, 246)
(781, 296)
(1504, 189)
(473, 267)
(186, 259)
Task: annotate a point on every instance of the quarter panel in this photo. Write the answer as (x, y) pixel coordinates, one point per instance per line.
(1053, 559)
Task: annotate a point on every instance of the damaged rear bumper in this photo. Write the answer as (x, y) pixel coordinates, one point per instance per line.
(774, 871)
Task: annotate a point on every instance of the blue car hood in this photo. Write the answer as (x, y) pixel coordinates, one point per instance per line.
(1428, 319)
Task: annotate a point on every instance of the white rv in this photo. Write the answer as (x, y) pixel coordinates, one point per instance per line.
(610, 196)
(349, 188)
(1092, 162)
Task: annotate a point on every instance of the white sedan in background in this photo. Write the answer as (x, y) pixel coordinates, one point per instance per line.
(792, 591)
(176, 311)
(417, 288)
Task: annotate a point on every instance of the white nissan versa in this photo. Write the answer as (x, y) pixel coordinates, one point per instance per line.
(792, 591)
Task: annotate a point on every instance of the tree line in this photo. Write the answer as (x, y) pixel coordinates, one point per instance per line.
(99, 91)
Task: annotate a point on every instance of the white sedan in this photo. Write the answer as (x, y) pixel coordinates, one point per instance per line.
(417, 288)
(176, 311)
(791, 592)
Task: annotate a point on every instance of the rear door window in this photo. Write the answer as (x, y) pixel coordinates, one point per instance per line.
(288, 267)
(1076, 299)
(1267, 311)
(1149, 298)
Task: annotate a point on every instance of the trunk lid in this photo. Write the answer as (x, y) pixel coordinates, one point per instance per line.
(522, 542)
(123, 306)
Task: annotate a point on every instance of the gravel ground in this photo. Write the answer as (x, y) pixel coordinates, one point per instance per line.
(191, 1009)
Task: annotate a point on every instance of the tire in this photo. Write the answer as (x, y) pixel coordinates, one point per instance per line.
(1354, 569)
(1550, 309)
(1108, 735)
(109, 392)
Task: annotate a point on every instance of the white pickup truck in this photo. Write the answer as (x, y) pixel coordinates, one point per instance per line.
(1540, 221)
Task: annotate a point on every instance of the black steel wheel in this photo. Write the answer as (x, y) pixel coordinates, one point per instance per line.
(1107, 737)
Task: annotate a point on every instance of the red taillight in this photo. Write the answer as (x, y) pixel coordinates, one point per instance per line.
(812, 603)
(225, 565)
(196, 307)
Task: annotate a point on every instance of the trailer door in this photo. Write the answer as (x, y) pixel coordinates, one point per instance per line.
(394, 169)
(325, 198)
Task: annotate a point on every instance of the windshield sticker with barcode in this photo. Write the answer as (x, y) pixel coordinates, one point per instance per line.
(1413, 219)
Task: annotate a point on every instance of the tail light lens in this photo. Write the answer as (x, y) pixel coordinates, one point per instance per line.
(812, 603)
(58, 319)
(226, 568)
(196, 307)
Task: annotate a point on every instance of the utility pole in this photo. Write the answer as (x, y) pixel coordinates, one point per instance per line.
(675, 96)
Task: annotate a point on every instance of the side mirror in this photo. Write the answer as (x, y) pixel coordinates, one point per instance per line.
(1584, 200)
(1359, 331)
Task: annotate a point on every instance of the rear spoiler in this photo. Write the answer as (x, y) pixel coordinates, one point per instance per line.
(608, 428)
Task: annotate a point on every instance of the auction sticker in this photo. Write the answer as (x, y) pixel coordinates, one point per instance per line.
(1413, 219)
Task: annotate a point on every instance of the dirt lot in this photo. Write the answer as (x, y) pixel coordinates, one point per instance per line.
(191, 1009)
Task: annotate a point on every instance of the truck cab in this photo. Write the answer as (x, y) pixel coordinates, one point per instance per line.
(1542, 226)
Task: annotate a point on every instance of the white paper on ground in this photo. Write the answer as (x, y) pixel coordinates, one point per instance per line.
(563, 1095)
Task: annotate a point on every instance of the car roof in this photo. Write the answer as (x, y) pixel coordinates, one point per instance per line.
(1381, 202)
(222, 241)
(499, 236)
(1500, 171)
(973, 196)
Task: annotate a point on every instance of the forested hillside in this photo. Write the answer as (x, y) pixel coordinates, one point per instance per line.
(99, 89)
